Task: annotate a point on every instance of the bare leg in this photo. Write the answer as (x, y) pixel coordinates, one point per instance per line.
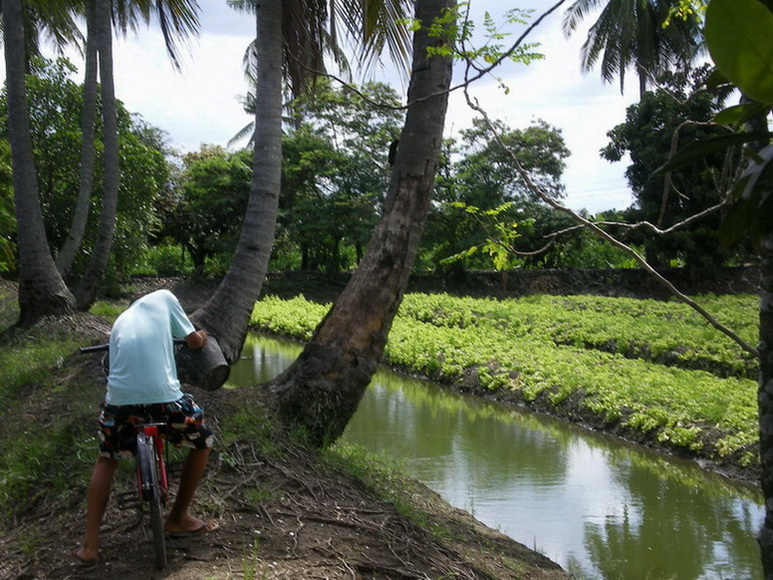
(179, 520)
(96, 502)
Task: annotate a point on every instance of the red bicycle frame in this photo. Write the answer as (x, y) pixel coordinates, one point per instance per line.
(153, 431)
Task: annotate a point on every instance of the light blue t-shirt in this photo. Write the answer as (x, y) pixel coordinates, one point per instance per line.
(142, 367)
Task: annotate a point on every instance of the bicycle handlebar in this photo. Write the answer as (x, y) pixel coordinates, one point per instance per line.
(96, 348)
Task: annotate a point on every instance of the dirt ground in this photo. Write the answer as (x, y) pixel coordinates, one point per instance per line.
(280, 518)
(281, 515)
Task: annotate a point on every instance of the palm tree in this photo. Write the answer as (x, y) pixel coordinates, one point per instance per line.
(90, 282)
(226, 314)
(765, 399)
(42, 290)
(43, 19)
(321, 390)
(178, 19)
(631, 33)
(375, 25)
(72, 242)
(290, 47)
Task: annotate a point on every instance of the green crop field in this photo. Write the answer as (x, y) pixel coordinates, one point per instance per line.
(653, 367)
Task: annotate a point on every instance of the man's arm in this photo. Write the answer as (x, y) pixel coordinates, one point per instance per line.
(196, 339)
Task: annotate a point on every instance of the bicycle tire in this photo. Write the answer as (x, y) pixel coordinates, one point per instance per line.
(151, 494)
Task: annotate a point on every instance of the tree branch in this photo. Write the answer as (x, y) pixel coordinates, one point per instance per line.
(480, 72)
(614, 241)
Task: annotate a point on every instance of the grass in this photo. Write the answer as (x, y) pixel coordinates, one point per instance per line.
(30, 364)
(48, 414)
(387, 480)
(251, 569)
(107, 310)
(653, 367)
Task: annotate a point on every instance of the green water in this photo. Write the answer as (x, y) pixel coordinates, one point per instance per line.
(597, 506)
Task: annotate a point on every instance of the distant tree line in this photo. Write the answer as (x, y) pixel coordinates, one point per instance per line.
(182, 214)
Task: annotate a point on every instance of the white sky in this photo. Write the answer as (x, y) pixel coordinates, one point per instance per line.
(200, 104)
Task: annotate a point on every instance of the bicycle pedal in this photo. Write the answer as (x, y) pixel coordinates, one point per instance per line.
(127, 500)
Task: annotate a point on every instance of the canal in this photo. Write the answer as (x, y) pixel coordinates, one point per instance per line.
(597, 506)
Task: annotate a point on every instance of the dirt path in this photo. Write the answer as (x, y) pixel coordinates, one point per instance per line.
(283, 515)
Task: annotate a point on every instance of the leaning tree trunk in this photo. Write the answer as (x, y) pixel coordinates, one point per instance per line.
(91, 282)
(321, 390)
(72, 243)
(226, 314)
(765, 401)
(41, 289)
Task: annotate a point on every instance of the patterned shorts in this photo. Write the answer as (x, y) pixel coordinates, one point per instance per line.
(185, 426)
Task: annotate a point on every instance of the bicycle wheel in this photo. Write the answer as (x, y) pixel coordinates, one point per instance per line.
(151, 494)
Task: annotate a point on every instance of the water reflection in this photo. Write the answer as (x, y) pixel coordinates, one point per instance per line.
(599, 508)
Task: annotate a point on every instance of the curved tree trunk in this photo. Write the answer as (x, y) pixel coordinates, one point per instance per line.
(227, 313)
(72, 243)
(41, 289)
(321, 390)
(765, 401)
(90, 283)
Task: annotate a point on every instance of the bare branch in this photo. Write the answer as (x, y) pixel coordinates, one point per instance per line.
(594, 227)
(677, 226)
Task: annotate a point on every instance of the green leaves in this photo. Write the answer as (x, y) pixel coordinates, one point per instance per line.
(459, 32)
(698, 150)
(738, 35)
(738, 115)
(752, 195)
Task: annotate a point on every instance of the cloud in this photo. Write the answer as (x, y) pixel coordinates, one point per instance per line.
(200, 103)
(555, 90)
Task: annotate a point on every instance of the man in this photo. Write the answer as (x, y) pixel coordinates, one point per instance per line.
(142, 385)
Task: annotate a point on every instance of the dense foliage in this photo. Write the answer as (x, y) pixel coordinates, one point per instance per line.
(678, 112)
(205, 212)
(335, 174)
(55, 108)
(479, 175)
(184, 217)
(655, 368)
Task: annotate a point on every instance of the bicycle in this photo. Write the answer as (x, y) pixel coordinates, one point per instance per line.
(153, 484)
(152, 477)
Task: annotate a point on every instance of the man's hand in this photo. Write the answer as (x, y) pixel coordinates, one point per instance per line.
(196, 339)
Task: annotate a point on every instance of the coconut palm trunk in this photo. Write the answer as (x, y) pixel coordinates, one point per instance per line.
(41, 289)
(72, 243)
(321, 390)
(226, 314)
(90, 283)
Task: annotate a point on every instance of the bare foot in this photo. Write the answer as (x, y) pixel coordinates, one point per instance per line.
(86, 556)
(190, 526)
